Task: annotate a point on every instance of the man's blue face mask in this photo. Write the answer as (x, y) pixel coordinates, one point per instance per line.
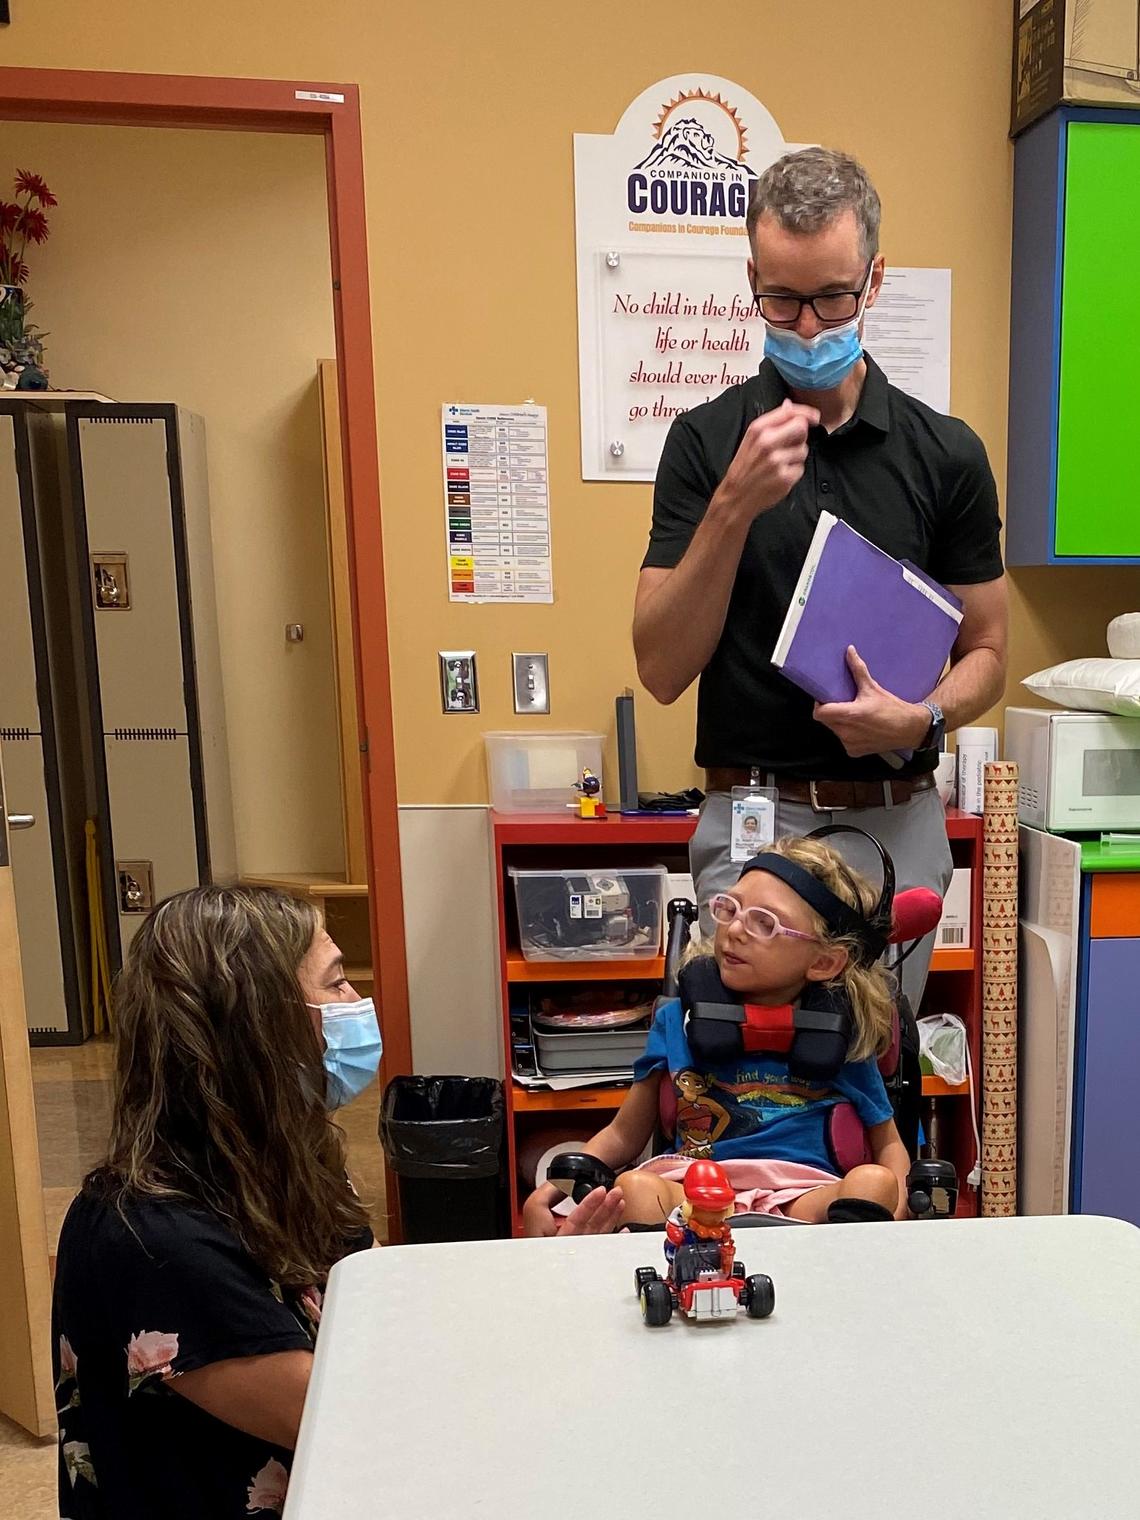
(820, 363)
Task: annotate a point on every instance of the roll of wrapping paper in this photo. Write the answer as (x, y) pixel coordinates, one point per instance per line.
(999, 989)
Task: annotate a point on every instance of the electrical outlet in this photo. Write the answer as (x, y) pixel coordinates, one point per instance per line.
(532, 683)
(458, 683)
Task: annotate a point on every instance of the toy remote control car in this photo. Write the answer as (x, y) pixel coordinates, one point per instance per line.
(704, 1279)
(697, 1286)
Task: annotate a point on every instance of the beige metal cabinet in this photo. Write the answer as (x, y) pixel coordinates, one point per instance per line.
(111, 705)
(46, 853)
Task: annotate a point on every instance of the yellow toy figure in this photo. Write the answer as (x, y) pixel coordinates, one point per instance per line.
(590, 804)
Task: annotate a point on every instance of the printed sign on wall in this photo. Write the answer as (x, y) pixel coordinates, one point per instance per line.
(665, 321)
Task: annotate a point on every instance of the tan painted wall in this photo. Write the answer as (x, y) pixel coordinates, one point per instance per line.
(469, 111)
(194, 267)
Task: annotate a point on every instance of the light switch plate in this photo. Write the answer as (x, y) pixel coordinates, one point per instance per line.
(458, 682)
(531, 682)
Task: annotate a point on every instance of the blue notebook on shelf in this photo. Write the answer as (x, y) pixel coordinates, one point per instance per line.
(850, 592)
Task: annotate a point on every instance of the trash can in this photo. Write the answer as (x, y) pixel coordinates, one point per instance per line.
(443, 1138)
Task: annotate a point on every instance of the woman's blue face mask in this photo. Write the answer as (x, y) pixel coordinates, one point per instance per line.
(353, 1046)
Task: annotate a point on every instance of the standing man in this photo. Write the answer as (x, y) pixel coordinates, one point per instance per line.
(740, 487)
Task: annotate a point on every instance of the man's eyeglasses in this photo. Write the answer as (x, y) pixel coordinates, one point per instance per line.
(833, 306)
(760, 923)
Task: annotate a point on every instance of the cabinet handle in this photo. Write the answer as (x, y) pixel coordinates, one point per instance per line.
(21, 820)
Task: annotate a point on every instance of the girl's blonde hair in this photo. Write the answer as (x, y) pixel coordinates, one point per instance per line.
(870, 988)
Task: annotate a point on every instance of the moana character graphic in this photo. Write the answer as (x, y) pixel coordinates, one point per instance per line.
(700, 1120)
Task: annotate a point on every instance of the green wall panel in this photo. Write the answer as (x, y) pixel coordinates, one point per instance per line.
(1098, 435)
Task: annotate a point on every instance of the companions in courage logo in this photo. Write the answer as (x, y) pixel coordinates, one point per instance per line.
(696, 166)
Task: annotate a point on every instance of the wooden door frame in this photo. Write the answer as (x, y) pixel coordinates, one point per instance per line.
(333, 112)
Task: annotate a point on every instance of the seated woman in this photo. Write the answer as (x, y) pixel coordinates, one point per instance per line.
(191, 1265)
(764, 1123)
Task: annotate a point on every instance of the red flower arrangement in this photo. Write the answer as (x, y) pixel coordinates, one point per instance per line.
(22, 221)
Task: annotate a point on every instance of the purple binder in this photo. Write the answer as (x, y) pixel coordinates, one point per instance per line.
(902, 623)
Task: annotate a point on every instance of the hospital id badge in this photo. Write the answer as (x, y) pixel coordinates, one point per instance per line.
(753, 821)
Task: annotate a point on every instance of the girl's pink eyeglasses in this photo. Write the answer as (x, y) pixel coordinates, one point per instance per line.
(759, 923)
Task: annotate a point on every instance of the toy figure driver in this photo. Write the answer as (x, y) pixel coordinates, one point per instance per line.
(703, 1215)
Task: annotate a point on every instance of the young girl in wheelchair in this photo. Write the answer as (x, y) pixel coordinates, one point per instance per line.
(780, 1026)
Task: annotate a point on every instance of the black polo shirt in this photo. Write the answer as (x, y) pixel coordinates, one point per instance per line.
(914, 482)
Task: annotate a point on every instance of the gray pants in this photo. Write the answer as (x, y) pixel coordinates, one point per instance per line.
(913, 834)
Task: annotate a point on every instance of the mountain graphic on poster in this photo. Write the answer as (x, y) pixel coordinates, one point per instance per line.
(687, 145)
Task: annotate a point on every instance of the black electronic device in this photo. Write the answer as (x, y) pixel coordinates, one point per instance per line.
(523, 1061)
(627, 752)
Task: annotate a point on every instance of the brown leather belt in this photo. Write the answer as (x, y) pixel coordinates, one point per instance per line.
(823, 796)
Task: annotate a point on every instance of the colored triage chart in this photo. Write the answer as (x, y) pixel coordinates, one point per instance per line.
(497, 496)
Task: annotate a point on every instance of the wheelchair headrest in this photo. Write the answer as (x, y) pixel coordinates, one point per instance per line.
(916, 912)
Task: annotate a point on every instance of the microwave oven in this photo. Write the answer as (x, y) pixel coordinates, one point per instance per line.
(1077, 771)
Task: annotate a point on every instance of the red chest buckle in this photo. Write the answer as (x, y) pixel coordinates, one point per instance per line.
(765, 1028)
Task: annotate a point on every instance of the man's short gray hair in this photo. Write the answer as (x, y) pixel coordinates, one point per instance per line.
(806, 191)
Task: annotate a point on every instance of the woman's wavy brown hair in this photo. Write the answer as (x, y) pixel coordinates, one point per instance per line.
(219, 1080)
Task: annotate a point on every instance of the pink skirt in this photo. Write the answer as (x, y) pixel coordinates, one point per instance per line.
(761, 1187)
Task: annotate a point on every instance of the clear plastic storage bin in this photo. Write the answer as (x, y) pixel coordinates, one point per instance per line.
(585, 915)
(536, 772)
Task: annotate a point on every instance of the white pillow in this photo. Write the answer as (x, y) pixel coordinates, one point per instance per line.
(1110, 686)
(1124, 636)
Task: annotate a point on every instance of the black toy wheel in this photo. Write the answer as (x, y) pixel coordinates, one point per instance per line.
(761, 1295)
(738, 1269)
(641, 1276)
(656, 1303)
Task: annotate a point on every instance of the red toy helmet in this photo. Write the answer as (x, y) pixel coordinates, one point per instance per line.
(707, 1187)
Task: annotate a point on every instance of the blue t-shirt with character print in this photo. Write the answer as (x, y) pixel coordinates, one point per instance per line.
(752, 1105)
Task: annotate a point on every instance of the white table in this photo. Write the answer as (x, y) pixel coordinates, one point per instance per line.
(975, 1369)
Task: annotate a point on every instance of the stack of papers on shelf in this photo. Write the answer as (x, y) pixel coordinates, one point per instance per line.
(566, 1080)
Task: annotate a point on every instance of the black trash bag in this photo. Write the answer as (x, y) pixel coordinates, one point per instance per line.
(443, 1127)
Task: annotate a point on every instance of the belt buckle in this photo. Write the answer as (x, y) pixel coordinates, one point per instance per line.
(813, 798)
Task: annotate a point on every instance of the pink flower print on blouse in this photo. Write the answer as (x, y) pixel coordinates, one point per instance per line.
(267, 1491)
(150, 1354)
(68, 1361)
(68, 1370)
(77, 1461)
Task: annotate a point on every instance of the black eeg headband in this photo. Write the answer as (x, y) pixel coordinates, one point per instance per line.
(873, 932)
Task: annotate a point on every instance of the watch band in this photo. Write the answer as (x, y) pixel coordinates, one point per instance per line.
(937, 728)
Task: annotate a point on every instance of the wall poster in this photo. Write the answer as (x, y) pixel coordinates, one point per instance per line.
(665, 316)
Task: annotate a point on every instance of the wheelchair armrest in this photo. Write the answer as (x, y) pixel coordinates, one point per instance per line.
(932, 1190)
